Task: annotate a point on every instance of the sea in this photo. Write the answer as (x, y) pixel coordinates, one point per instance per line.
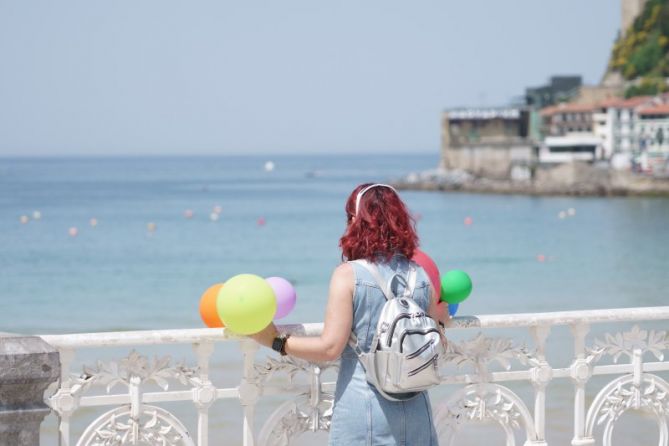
(91, 244)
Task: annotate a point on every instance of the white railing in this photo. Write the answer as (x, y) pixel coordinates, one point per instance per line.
(135, 417)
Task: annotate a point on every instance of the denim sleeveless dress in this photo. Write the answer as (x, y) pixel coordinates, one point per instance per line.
(361, 416)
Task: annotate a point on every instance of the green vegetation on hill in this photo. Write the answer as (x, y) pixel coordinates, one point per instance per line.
(643, 51)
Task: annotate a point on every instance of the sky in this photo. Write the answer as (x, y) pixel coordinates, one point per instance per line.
(144, 77)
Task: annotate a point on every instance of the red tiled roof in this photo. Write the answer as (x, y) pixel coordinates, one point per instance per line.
(662, 109)
(625, 103)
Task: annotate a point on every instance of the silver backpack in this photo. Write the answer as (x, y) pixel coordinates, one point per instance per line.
(406, 348)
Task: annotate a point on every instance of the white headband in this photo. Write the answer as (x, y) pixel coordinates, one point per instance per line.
(362, 192)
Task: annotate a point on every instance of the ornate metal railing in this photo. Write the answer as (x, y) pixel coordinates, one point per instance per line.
(482, 365)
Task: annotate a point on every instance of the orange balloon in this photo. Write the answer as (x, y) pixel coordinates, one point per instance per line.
(208, 310)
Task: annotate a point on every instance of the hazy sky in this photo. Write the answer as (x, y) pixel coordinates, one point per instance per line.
(308, 76)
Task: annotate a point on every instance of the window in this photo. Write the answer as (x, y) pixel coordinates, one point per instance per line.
(573, 149)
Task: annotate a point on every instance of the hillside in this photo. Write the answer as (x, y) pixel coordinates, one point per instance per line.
(642, 53)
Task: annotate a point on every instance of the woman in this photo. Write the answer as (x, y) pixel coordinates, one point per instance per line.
(380, 230)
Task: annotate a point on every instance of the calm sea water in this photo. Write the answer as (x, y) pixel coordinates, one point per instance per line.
(613, 252)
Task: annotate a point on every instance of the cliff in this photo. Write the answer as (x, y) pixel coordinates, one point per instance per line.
(641, 54)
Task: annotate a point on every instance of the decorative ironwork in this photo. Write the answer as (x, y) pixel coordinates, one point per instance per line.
(289, 365)
(629, 396)
(650, 394)
(153, 426)
(484, 402)
(113, 373)
(294, 418)
(619, 344)
(481, 351)
(483, 397)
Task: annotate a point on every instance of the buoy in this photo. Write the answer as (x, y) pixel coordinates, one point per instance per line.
(24, 219)
(93, 222)
(261, 221)
(541, 258)
(151, 227)
(188, 213)
(73, 231)
(469, 221)
(269, 166)
(213, 216)
(37, 215)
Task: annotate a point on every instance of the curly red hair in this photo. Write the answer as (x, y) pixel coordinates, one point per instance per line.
(383, 226)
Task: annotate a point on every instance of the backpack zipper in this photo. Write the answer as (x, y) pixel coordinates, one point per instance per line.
(423, 367)
(396, 320)
(424, 332)
(420, 350)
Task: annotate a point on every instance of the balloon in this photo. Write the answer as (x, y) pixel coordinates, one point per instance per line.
(452, 309)
(285, 296)
(208, 311)
(246, 304)
(430, 268)
(455, 286)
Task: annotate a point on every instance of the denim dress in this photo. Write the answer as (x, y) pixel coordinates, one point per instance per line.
(361, 416)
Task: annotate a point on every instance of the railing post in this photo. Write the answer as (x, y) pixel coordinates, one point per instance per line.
(541, 376)
(249, 390)
(63, 401)
(205, 393)
(581, 371)
(28, 365)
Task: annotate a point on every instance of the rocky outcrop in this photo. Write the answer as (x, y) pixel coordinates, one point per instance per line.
(576, 178)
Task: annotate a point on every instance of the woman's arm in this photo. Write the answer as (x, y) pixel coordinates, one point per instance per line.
(337, 326)
(438, 310)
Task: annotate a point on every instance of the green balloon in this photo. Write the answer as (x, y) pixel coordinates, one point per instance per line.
(456, 286)
(246, 304)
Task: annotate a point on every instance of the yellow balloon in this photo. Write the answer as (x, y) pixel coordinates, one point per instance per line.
(246, 304)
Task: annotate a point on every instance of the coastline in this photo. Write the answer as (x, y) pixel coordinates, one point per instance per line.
(569, 179)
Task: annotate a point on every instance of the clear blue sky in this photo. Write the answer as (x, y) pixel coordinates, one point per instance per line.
(304, 76)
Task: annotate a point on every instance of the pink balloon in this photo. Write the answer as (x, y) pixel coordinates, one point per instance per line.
(430, 268)
(285, 296)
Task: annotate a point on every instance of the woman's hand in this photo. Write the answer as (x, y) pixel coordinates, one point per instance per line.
(266, 335)
(336, 327)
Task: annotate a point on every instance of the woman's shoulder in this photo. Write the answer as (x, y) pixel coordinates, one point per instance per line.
(343, 272)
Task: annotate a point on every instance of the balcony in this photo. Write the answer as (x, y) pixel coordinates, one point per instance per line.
(608, 361)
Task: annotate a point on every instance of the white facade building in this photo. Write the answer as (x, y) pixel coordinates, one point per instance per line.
(602, 127)
(571, 147)
(652, 124)
(623, 118)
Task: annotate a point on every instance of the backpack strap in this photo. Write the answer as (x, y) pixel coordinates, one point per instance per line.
(409, 286)
(386, 286)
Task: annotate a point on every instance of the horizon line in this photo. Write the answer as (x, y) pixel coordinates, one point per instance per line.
(213, 155)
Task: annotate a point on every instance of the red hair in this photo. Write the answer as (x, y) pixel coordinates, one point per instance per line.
(383, 226)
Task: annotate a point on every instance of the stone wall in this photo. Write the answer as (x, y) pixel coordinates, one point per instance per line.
(490, 161)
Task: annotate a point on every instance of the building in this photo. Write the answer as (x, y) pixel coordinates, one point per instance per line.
(564, 118)
(613, 121)
(570, 147)
(558, 89)
(488, 142)
(652, 124)
(622, 115)
(602, 128)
